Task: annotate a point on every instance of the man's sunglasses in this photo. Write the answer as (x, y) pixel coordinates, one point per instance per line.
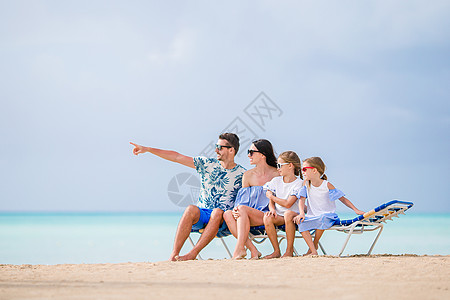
(250, 152)
(219, 147)
(306, 168)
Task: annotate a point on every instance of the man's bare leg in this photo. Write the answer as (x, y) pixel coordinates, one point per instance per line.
(190, 216)
(207, 236)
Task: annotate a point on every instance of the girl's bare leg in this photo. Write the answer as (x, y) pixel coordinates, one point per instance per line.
(290, 232)
(308, 239)
(269, 224)
(317, 236)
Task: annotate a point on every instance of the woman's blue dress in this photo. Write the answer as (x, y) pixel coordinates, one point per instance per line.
(254, 197)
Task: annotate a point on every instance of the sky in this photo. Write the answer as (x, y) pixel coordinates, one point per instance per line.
(362, 84)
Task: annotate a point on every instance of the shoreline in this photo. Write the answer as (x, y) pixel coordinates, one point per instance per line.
(406, 276)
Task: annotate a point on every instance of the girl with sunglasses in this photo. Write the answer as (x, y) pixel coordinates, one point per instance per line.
(251, 201)
(321, 196)
(283, 205)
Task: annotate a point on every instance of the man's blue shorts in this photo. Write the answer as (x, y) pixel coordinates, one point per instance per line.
(205, 216)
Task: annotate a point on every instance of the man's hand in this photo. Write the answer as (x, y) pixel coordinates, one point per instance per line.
(138, 149)
(166, 154)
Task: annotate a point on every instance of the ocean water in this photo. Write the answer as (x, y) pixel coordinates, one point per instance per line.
(72, 238)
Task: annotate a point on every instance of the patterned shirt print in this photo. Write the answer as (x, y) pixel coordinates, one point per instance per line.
(219, 186)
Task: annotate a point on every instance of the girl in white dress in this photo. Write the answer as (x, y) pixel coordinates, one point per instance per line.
(283, 205)
(321, 208)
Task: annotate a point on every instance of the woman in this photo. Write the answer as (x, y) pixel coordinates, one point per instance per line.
(251, 201)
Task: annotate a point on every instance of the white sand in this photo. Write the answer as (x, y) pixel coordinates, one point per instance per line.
(362, 277)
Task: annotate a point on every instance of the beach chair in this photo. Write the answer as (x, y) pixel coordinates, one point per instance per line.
(371, 221)
(258, 235)
(223, 232)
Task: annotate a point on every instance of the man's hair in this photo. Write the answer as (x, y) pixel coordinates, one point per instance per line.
(232, 139)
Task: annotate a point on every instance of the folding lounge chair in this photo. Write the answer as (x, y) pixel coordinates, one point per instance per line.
(258, 235)
(371, 221)
(220, 235)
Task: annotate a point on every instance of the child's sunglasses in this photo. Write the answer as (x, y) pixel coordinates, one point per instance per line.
(280, 165)
(306, 168)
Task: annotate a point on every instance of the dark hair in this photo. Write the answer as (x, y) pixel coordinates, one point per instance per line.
(232, 139)
(265, 148)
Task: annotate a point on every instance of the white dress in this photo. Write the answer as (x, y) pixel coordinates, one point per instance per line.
(283, 190)
(321, 205)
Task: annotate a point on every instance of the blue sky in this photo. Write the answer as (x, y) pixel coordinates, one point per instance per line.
(363, 84)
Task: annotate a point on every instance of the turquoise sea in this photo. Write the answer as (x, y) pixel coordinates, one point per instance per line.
(72, 238)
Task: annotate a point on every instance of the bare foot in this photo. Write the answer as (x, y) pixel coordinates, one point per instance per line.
(288, 254)
(256, 256)
(173, 257)
(273, 255)
(309, 252)
(189, 256)
(240, 254)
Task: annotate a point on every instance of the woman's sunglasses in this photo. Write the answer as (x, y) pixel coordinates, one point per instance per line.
(250, 152)
(219, 147)
(306, 168)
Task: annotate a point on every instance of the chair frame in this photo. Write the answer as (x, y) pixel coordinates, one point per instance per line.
(371, 221)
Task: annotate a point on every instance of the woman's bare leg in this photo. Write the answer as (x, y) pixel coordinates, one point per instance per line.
(231, 222)
(247, 217)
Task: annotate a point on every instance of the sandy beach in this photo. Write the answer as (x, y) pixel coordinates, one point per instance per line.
(325, 277)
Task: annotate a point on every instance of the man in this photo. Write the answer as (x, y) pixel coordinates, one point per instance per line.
(221, 179)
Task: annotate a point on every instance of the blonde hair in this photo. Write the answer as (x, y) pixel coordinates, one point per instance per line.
(317, 163)
(292, 158)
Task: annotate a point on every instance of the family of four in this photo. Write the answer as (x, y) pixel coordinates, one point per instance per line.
(272, 193)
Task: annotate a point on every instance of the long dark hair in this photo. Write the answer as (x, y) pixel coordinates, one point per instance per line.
(265, 148)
